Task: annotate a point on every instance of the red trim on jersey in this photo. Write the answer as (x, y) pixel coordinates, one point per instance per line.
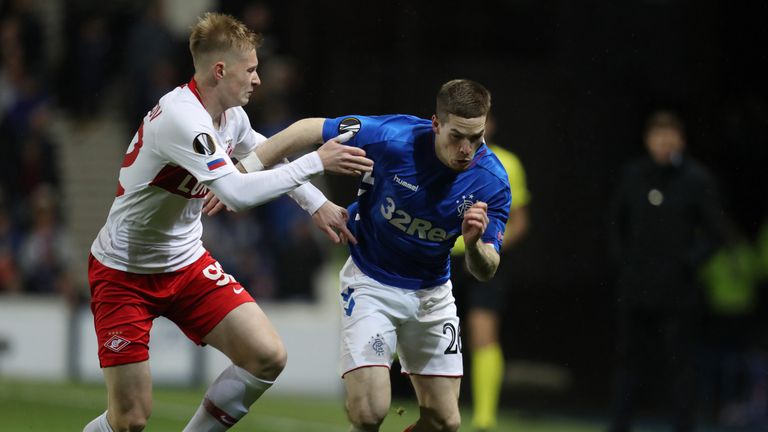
(193, 88)
(218, 413)
(179, 181)
(120, 189)
(130, 158)
(366, 366)
(477, 158)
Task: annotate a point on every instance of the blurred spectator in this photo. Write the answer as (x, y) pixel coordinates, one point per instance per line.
(291, 238)
(666, 220)
(273, 105)
(30, 157)
(10, 239)
(45, 255)
(149, 62)
(21, 32)
(91, 51)
(296, 251)
(257, 15)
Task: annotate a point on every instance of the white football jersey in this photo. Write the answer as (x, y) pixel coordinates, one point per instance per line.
(154, 224)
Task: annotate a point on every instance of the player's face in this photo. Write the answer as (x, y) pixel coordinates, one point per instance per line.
(664, 144)
(457, 140)
(241, 77)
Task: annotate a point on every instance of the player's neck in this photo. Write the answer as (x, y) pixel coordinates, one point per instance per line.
(210, 102)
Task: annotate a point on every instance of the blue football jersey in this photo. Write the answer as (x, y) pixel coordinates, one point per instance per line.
(409, 209)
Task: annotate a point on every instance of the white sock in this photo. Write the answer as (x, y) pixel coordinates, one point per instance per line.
(227, 400)
(99, 424)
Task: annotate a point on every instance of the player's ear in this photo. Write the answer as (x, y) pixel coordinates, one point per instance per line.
(435, 124)
(218, 70)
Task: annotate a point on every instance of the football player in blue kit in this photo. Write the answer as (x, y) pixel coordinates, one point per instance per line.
(432, 181)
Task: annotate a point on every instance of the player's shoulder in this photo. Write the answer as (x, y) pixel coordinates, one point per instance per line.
(488, 164)
(399, 127)
(181, 107)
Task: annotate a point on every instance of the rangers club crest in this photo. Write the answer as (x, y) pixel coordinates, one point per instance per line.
(464, 204)
(377, 343)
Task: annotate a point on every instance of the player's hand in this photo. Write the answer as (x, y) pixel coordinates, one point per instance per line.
(342, 159)
(332, 220)
(212, 204)
(475, 222)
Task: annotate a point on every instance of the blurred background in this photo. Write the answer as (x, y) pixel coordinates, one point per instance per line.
(572, 85)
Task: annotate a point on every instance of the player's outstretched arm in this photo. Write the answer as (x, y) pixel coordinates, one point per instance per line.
(240, 191)
(294, 139)
(482, 259)
(334, 157)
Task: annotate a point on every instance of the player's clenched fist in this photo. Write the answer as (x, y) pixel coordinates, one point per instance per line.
(343, 159)
(475, 222)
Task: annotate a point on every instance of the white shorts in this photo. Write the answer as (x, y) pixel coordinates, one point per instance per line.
(378, 319)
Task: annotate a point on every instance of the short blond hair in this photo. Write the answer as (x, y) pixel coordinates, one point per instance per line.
(218, 33)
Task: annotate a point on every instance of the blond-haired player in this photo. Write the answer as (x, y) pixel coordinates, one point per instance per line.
(148, 260)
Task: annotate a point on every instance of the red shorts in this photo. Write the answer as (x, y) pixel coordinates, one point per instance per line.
(196, 298)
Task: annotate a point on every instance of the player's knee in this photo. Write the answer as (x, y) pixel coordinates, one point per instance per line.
(450, 424)
(439, 421)
(267, 363)
(366, 415)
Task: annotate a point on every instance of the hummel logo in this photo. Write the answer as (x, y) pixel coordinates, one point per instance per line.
(237, 290)
(405, 184)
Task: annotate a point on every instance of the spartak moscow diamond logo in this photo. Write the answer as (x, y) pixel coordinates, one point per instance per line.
(116, 343)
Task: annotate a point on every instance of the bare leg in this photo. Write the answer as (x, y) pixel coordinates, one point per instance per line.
(369, 395)
(438, 403)
(129, 395)
(247, 337)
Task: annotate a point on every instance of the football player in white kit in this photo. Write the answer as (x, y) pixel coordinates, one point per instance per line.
(148, 259)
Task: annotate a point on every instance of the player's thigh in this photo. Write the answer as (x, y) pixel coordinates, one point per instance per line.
(247, 337)
(370, 313)
(129, 390)
(438, 397)
(368, 393)
(429, 342)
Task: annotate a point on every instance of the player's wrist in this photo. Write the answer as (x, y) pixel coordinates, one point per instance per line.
(252, 163)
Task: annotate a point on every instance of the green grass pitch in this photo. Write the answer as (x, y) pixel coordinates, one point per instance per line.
(28, 406)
